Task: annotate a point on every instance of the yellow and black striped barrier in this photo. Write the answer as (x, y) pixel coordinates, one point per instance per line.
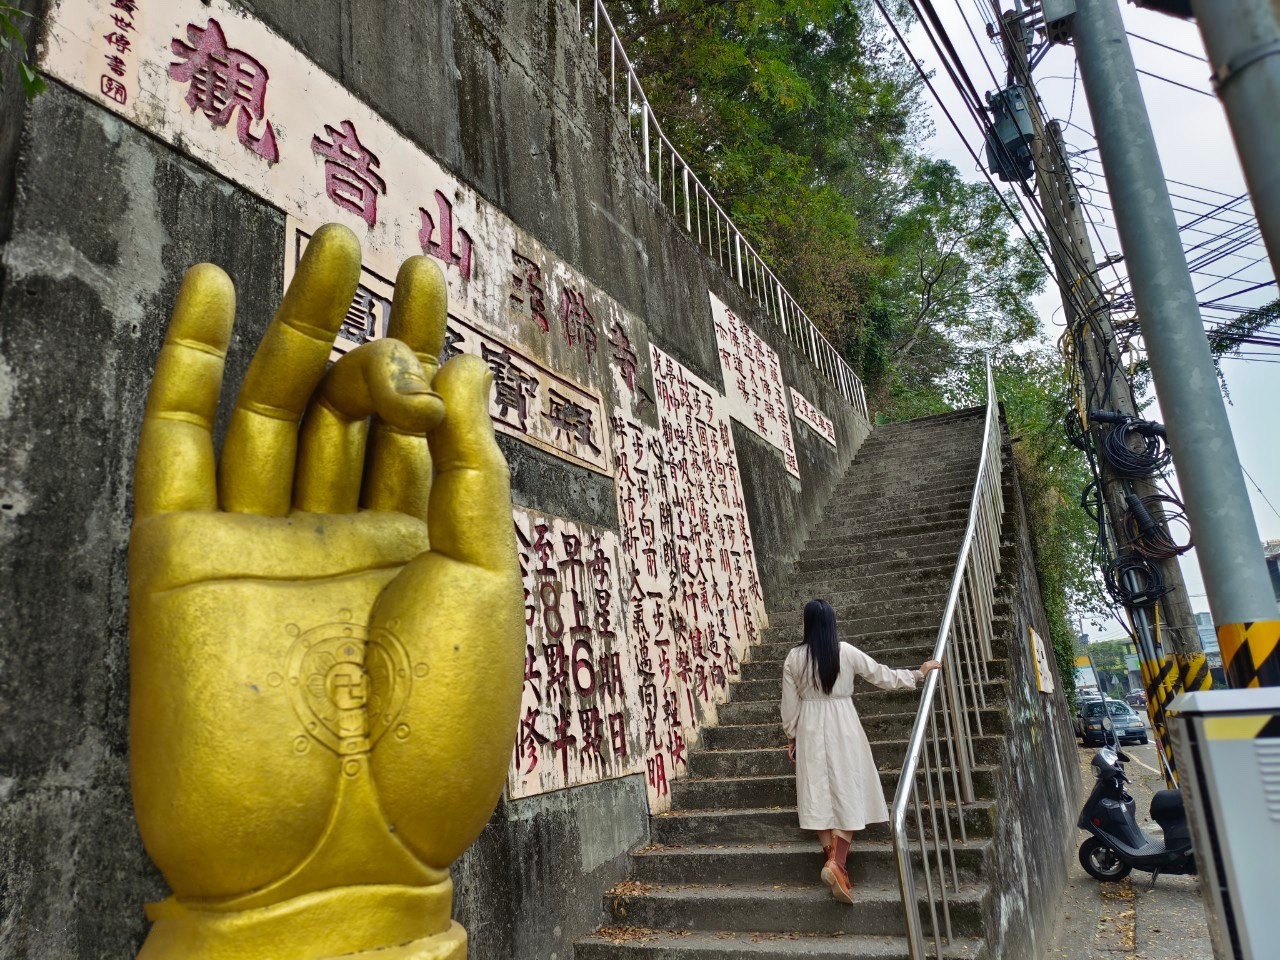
(1251, 653)
(1160, 679)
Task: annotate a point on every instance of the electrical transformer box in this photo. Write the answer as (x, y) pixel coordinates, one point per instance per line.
(1227, 747)
(1011, 134)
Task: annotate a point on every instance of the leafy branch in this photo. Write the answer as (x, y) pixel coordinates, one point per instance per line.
(13, 45)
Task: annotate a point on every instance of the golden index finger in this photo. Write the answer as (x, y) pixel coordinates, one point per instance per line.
(256, 474)
(175, 467)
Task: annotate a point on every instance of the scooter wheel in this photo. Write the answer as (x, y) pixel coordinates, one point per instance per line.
(1101, 862)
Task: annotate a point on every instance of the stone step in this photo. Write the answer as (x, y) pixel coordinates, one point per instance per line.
(950, 420)
(773, 760)
(853, 539)
(879, 618)
(779, 790)
(795, 907)
(917, 470)
(860, 550)
(872, 523)
(885, 726)
(780, 824)
(869, 862)
(911, 605)
(846, 590)
(911, 656)
(804, 585)
(867, 698)
(881, 638)
(856, 510)
(859, 507)
(910, 546)
(898, 487)
(638, 943)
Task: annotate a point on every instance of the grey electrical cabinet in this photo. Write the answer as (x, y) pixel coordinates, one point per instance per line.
(1227, 747)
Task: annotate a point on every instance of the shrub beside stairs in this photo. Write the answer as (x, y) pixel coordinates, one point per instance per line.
(728, 874)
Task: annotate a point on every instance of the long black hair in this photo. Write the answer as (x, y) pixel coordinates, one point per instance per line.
(822, 643)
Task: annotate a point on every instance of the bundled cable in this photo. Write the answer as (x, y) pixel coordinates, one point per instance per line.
(1134, 581)
(1151, 455)
(1150, 535)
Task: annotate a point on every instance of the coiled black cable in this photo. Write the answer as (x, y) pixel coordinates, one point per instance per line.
(1150, 535)
(1152, 456)
(1134, 581)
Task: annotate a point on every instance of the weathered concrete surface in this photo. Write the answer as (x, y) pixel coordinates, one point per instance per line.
(1129, 920)
(98, 223)
(1036, 787)
(106, 222)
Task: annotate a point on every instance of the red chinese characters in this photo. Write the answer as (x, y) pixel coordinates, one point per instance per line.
(574, 723)
(439, 240)
(694, 594)
(224, 82)
(528, 292)
(350, 176)
(119, 43)
(753, 381)
(815, 418)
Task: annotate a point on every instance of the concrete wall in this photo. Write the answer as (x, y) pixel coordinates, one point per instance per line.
(98, 221)
(1037, 785)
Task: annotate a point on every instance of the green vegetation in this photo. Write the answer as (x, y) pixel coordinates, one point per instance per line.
(13, 46)
(806, 122)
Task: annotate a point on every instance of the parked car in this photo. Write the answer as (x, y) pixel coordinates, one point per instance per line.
(1085, 697)
(1125, 724)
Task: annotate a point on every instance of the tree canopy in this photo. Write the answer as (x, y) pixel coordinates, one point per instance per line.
(806, 123)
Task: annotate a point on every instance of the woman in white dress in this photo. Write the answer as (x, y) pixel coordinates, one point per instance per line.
(837, 786)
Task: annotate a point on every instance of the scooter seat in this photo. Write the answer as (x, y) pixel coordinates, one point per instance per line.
(1167, 805)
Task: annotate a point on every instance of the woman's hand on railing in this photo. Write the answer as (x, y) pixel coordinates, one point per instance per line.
(929, 666)
(791, 750)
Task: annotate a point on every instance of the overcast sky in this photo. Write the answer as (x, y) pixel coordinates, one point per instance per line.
(1196, 148)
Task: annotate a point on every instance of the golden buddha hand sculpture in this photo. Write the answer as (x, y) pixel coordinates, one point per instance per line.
(326, 626)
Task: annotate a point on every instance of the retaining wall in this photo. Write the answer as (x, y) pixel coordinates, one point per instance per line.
(111, 185)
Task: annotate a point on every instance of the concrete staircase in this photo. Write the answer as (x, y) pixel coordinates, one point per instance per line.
(729, 874)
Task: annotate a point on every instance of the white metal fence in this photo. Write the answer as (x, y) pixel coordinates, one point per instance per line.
(703, 218)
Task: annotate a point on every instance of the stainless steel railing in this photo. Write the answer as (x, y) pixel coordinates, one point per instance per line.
(703, 218)
(940, 763)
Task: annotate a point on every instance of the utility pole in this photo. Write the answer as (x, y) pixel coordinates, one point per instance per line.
(1242, 38)
(1105, 388)
(1204, 452)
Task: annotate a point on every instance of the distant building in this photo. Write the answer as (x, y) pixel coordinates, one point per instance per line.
(1271, 550)
(1208, 636)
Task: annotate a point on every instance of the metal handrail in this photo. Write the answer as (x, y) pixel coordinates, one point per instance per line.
(723, 240)
(956, 693)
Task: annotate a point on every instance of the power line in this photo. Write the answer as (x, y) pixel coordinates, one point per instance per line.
(1264, 497)
(1157, 43)
(1176, 83)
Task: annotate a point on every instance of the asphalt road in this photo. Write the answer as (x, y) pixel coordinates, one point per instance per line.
(1130, 919)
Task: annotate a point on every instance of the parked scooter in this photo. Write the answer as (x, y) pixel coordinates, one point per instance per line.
(1117, 844)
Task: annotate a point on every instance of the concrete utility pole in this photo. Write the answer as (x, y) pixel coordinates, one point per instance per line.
(1106, 388)
(1242, 38)
(1204, 452)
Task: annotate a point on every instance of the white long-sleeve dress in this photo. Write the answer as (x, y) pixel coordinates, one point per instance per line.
(837, 785)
